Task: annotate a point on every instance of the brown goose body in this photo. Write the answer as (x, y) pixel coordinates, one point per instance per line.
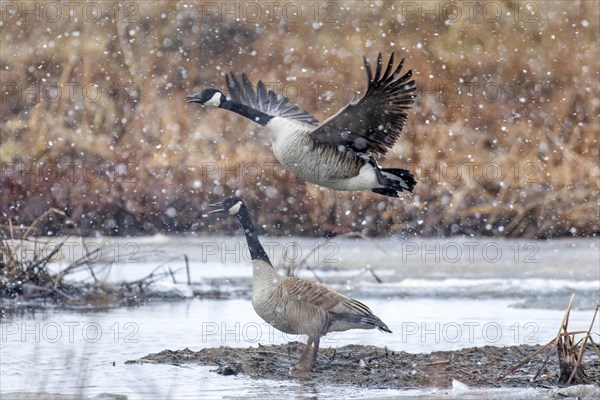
(298, 306)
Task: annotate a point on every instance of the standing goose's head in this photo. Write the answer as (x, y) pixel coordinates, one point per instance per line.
(231, 205)
(234, 206)
(208, 97)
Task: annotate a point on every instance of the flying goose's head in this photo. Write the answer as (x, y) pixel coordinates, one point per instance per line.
(231, 205)
(208, 97)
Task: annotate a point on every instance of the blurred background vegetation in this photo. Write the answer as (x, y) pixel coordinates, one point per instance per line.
(503, 138)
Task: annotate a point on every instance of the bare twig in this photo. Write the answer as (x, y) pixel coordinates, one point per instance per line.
(172, 276)
(187, 269)
(38, 219)
(374, 276)
(525, 361)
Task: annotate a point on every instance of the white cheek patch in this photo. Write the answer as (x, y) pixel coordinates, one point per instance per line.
(214, 101)
(236, 208)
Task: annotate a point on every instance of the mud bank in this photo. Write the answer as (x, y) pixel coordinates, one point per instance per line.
(379, 368)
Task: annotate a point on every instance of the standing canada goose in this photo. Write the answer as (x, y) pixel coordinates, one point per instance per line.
(293, 305)
(339, 153)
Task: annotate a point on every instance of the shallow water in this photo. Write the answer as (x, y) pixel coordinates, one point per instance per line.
(75, 352)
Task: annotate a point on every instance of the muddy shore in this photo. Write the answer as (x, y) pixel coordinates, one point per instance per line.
(380, 368)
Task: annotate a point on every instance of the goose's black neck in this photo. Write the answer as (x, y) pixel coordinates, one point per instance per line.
(257, 252)
(251, 113)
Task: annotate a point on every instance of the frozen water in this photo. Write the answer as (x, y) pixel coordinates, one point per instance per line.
(430, 299)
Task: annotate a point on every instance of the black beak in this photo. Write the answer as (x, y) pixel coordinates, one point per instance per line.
(218, 206)
(192, 99)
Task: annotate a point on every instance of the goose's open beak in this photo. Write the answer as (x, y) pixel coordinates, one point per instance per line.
(218, 206)
(192, 99)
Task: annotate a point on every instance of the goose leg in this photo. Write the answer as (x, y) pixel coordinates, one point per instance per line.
(313, 360)
(304, 357)
(391, 186)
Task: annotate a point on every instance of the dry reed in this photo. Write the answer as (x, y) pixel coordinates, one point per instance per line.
(518, 162)
(569, 351)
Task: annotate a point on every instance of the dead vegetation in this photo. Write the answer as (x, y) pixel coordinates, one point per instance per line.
(569, 351)
(370, 366)
(27, 278)
(503, 139)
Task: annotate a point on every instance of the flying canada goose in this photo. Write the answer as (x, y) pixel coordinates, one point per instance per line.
(339, 153)
(293, 305)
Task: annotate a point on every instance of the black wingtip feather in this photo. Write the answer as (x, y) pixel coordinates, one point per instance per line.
(368, 69)
(378, 69)
(263, 98)
(390, 65)
(249, 89)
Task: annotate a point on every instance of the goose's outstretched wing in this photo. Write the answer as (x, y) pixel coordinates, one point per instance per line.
(263, 100)
(373, 123)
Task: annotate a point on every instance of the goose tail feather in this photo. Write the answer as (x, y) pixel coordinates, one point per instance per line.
(399, 179)
(366, 321)
(395, 180)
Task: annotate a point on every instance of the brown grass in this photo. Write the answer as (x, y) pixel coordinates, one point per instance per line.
(139, 159)
(569, 350)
